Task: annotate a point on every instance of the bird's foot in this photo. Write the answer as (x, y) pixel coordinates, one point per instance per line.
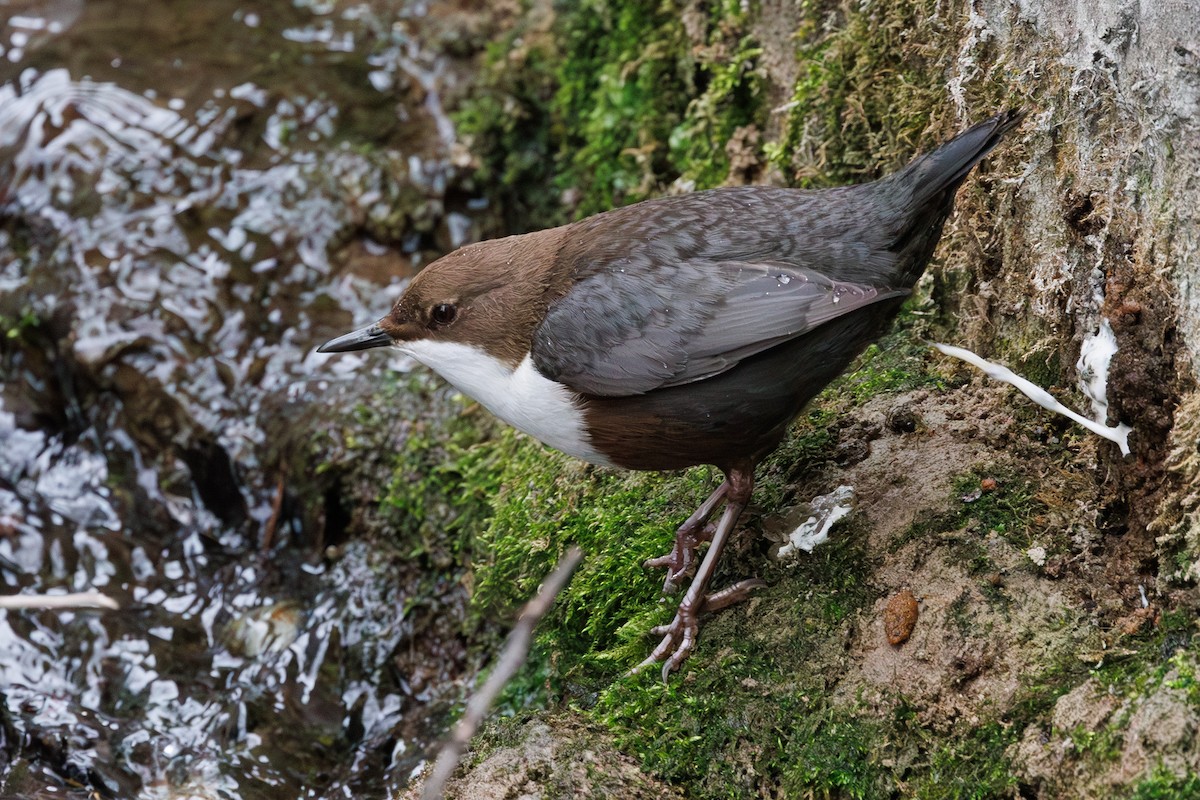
(732, 594)
(682, 558)
(688, 536)
(679, 635)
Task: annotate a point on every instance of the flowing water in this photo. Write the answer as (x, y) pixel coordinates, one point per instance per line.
(192, 197)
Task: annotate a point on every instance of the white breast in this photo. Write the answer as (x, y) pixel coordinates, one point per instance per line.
(522, 397)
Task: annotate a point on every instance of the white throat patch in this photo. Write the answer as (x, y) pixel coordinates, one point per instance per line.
(522, 397)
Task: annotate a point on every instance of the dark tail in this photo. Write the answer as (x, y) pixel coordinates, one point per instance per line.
(934, 175)
(921, 195)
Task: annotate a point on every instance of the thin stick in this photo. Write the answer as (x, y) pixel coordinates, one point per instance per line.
(75, 600)
(268, 537)
(512, 657)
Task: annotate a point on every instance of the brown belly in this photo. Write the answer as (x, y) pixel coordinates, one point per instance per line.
(740, 414)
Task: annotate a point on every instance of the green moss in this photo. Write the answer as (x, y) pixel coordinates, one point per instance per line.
(897, 364)
(1099, 746)
(1012, 509)
(1184, 678)
(1172, 644)
(866, 89)
(970, 767)
(1009, 509)
(730, 99)
(808, 447)
(623, 87)
(613, 99)
(750, 710)
(834, 756)
(507, 124)
(443, 477)
(1163, 784)
(755, 724)
(547, 502)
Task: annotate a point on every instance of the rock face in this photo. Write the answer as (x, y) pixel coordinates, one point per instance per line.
(1055, 653)
(1108, 230)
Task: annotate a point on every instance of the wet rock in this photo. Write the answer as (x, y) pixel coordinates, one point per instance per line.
(266, 629)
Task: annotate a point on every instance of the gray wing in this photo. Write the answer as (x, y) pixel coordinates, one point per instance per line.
(613, 335)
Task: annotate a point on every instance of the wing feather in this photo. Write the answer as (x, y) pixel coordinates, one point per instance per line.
(615, 335)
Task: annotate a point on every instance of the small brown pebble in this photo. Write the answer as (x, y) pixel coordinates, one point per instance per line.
(988, 484)
(900, 617)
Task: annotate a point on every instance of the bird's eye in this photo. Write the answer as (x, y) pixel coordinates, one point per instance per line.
(443, 314)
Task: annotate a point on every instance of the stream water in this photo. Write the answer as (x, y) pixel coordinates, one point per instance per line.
(192, 197)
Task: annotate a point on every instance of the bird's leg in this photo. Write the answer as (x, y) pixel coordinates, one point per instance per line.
(679, 636)
(691, 534)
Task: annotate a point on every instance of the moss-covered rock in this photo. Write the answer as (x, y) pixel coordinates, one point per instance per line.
(1055, 646)
(588, 106)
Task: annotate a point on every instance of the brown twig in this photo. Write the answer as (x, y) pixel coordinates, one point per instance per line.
(512, 657)
(268, 537)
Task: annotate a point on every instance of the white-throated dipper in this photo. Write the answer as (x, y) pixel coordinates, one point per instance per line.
(681, 331)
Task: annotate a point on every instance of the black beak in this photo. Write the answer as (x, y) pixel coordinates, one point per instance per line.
(361, 339)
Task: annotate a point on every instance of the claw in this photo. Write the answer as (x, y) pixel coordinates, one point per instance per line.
(683, 651)
(679, 635)
(690, 535)
(682, 558)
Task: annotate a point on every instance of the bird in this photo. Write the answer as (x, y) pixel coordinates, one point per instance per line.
(682, 330)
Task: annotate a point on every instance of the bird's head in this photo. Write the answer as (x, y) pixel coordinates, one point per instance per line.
(490, 295)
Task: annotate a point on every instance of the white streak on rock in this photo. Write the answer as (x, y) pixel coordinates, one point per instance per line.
(1094, 357)
(1116, 433)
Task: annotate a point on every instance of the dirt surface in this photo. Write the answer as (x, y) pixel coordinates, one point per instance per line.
(996, 606)
(556, 757)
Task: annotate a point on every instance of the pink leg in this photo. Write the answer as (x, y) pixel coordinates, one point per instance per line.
(679, 636)
(692, 533)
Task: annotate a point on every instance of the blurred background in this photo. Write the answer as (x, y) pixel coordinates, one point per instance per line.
(192, 197)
